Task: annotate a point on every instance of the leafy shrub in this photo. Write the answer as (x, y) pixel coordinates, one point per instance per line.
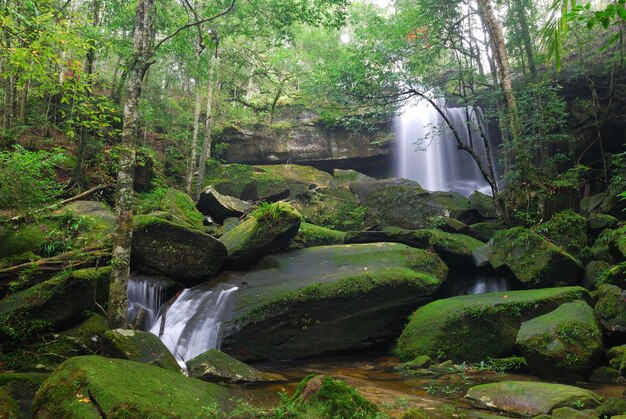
(27, 179)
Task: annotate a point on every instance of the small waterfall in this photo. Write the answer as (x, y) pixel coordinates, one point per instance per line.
(427, 151)
(473, 281)
(193, 322)
(485, 284)
(147, 293)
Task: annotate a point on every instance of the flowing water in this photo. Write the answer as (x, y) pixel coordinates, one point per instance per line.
(191, 325)
(427, 151)
(147, 293)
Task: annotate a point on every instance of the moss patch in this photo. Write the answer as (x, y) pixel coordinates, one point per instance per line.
(310, 235)
(216, 366)
(475, 327)
(567, 230)
(138, 346)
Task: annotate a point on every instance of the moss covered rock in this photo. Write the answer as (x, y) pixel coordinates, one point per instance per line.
(346, 177)
(138, 346)
(563, 345)
(219, 206)
(595, 274)
(483, 204)
(54, 304)
(26, 238)
(475, 327)
(324, 397)
(616, 275)
(335, 208)
(600, 249)
(532, 260)
(611, 308)
(93, 386)
(484, 231)
(162, 247)
(611, 408)
(606, 375)
(617, 245)
(617, 358)
(355, 296)
(567, 230)
(310, 235)
(9, 408)
(453, 248)
(217, 367)
(598, 222)
(530, 398)
(270, 229)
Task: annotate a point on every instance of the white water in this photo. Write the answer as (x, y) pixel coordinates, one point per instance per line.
(148, 294)
(193, 322)
(427, 152)
(486, 284)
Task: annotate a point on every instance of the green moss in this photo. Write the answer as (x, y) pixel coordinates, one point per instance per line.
(172, 204)
(24, 238)
(617, 356)
(612, 407)
(8, 406)
(138, 346)
(336, 209)
(567, 230)
(331, 399)
(475, 327)
(123, 389)
(311, 235)
(610, 308)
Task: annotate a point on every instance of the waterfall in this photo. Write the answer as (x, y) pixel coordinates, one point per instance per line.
(427, 151)
(192, 323)
(147, 293)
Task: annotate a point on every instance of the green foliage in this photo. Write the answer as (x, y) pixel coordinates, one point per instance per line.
(64, 238)
(27, 179)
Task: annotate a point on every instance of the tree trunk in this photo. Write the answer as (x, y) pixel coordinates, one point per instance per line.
(206, 142)
(120, 264)
(525, 29)
(191, 168)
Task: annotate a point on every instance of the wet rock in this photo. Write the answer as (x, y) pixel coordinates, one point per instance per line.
(217, 367)
(532, 260)
(219, 207)
(475, 327)
(165, 248)
(269, 230)
(529, 398)
(138, 346)
(563, 345)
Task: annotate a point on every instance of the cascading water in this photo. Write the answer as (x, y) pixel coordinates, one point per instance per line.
(148, 294)
(192, 323)
(427, 151)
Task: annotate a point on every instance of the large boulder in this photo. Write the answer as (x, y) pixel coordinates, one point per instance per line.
(563, 345)
(617, 358)
(453, 248)
(484, 231)
(335, 208)
(162, 247)
(219, 206)
(403, 203)
(610, 309)
(310, 235)
(93, 386)
(532, 260)
(595, 274)
(270, 229)
(217, 367)
(138, 346)
(527, 398)
(354, 296)
(598, 222)
(474, 327)
(173, 205)
(567, 230)
(54, 304)
(483, 204)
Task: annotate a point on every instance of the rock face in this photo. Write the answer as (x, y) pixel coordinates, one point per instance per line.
(303, 138)
(329, 299)
(474, 327)
(217, 367)
(219, 206)
(162, 247)
(611, 309)
(54, 304)
(93, 386)
(563, 345)
(270, 229)
(453, 248)
(532, 260)
(527, 398)
(403, 203)
(137, 346)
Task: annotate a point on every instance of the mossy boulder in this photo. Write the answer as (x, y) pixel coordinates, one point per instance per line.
(217, 367)
(54, 304)
(355, 296)
(567, 230)
(346, 177)
(335, 208)
(102, 216)
(616, 275)
(617, 245)
(138, 346)
(453, 248)
(162, 247)
(270, 229)
(324, 397)
(25, 238)
(483, 204)
(526, 398)
(611, 408)
(617, 358)
(598, 222)
(219, 206)
(600, 249)
(610, 309)
(452, 225)
(310, 235)
(595, 274)
(419, 362)
(174, 205)
(9, 408)
(475, 327)
(484, 231)
(533, 261)
(563, 345)
(93, 386)
(606, 375)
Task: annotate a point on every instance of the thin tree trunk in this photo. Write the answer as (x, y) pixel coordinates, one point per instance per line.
(191, 168)
(525, 29)
(141, 61)
(206, 142)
